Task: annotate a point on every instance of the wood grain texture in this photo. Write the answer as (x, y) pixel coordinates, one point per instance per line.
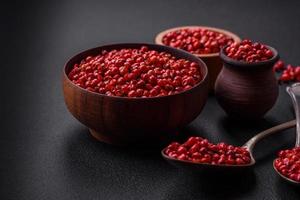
(212, 60)
(122, 120)
(247, 90)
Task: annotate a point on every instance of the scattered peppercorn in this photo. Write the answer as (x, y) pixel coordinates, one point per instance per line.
(288, 163)
(199, 150)
(279, 66)
(197, 40)
(135, 73)
(287, 73)
(248, 51)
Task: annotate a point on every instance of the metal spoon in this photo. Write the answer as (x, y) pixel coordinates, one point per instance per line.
(294, 92)
(249, 145)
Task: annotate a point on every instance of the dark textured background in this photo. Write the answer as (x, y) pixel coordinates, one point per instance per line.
(46, 154)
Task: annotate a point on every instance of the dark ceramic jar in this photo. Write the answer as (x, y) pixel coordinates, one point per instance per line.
(247, 90)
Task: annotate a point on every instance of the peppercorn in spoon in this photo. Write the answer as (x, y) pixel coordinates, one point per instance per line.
(198, 153)
(287, 165)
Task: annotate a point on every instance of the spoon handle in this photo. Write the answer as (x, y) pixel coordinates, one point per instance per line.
(294, 92)
(251, 143)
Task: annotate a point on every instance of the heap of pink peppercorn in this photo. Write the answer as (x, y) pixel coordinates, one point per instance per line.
(288, 163)
(199, 150)
(197, 40)
(135, 73)
(248, 51)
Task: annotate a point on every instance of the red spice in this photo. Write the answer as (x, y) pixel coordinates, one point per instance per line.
(135, 73)
(287, 73)
(197, 40)
(279, 66)
(199, 150)
(288, 163)
(248, 52)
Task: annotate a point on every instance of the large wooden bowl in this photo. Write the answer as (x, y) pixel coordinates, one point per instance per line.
(212, 60)
(123, 120)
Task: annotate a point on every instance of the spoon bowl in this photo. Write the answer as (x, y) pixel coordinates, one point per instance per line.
(284, 177)
(249, 145)
(203, 166)
(294, 92)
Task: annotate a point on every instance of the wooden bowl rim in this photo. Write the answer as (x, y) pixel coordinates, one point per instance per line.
(159, 36)
(120, 45)
(243, 64)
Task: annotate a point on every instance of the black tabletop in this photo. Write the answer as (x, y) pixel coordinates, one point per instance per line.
(46, 154)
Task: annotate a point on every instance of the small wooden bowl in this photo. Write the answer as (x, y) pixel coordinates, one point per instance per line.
(123, 120)
(212, 60)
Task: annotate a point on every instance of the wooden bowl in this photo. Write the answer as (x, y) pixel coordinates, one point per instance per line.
(212, 60)
(124, 120)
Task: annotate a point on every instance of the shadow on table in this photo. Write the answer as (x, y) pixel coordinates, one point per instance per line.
(286, 190)
(241, 129)
(214, 185)
(88, 158)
